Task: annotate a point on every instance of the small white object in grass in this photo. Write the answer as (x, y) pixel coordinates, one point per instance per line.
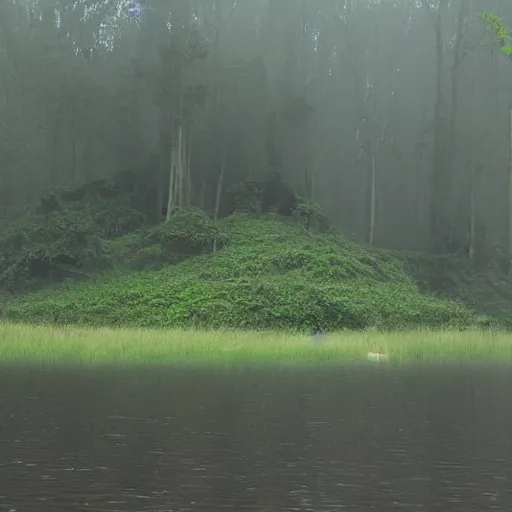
(377, 356)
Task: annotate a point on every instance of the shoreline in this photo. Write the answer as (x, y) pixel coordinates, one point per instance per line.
(54, 345)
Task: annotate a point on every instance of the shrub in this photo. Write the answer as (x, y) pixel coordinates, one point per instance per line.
(65, 234)
(244, 197)
(188, 232)
(273, 195)
(311, 216)
(37, 247)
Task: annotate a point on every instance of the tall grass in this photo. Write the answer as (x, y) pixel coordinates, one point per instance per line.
(48, 345)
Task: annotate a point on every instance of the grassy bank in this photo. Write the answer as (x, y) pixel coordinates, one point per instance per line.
(273, 274)
(21, 344)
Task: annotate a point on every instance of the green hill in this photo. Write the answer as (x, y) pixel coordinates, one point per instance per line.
(272, 273)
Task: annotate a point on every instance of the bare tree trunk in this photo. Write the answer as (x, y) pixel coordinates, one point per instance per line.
(170, 197)
(73, 159)
(510, 193)
(202, 194)
(73, 146)
(307, 185)
(440, 167)
(472, 216)
(437, 210)
(458, 55)
(52, 157)
(179, 175)
(373, 193)
(217, 197)
(313, 181)
(160, 192)
(188, 168)
(179, 170)
(166, 166)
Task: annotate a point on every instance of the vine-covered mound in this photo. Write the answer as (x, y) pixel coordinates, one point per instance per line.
(272, 273)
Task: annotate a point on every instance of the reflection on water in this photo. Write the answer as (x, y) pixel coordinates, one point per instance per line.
(276, 439)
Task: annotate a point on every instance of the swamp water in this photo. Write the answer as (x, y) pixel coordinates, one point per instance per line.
(354, 438)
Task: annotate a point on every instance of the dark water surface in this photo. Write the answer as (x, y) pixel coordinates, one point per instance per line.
(276, 439)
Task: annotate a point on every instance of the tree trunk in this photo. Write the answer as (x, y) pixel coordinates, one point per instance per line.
(438, 184)
(188, 168)
(457, 59)
(179, 175)
(217, 197)
(170, 196)
(509, 199)
(180, 169)
(373, 193)
(166, 166)
(73, 159)
(472, 216)
(73, 146)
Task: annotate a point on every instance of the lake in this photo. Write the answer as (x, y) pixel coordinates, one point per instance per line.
(198, 439)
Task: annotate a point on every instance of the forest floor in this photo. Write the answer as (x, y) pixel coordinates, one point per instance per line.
(47, 345)
(271, 274)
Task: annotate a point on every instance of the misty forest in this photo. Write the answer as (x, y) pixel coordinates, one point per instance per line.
(388, 120)
(255, 255)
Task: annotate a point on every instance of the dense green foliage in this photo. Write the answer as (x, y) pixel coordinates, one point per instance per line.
(269, 271)
(311, 216)
(65, 235)
(485, 289)
(275, 196)
(189, 233)
(501, 31)
(273, 274)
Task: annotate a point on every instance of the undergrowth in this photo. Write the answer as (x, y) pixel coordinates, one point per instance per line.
(272, 274)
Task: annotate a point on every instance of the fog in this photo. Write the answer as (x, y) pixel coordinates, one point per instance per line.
(393, 115)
